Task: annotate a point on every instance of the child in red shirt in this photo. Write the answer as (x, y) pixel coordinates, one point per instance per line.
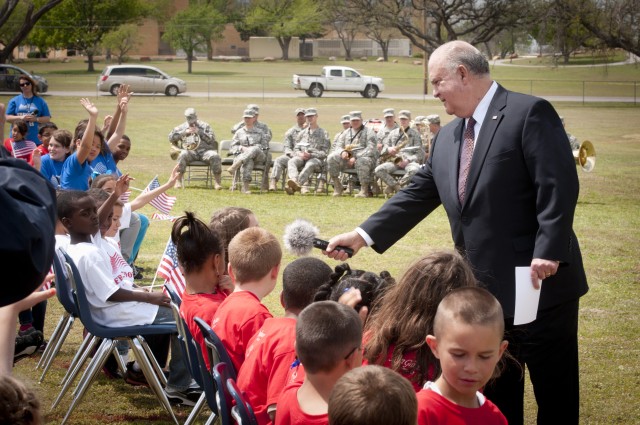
(201, 256)
(395, 337)
(328, 344)
(372, 395)
(467, 338)
(254, 262)
(271, 351)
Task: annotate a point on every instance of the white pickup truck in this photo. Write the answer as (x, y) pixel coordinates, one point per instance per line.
(338, 78)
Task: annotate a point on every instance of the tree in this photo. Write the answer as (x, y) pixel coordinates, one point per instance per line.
(22, 21)
(345, 18)
(121, 40)
(376, 29)
(82, 24)
(285, 19)
(190, 29)
(615, 22)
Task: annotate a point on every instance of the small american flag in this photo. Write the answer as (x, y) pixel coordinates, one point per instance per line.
(161, 217)
(168, 269)
(125, 196)
(23, 149)
(162, 202)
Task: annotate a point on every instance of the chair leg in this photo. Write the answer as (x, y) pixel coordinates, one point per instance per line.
(53, 339)
(211, 419)
(152, 359)
(75, 367)
(89, 375)
(58, 345)
(152, 379)
(197, 409)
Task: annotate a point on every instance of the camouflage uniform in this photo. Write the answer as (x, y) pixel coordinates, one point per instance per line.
(207, 149)
(415, 156)
(382, 138)
(256, 140)
(365, 156)
(280, 163)
(573, 142)
(317, 143)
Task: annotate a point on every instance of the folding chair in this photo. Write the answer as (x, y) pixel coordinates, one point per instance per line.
(242, 412)
(134, 334)
(227, 160)
(214, 343)
(199, 171)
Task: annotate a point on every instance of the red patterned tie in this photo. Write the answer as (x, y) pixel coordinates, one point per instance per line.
(465, 159)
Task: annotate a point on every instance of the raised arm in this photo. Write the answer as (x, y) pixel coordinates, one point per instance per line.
(123, 107)
(144, 198)
(89, 132)
(123, 93)
(122, 185)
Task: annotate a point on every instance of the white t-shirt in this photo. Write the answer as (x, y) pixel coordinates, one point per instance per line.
(96, 270)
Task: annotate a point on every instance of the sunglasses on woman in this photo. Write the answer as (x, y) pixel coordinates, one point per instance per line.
(25, 84)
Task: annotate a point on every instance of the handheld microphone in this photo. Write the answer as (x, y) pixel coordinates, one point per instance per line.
(300, 237)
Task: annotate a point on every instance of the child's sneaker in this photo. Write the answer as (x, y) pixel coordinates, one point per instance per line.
(27, 344)
(133, 377)
(188, 397)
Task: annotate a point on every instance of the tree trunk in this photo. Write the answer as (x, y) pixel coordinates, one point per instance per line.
(189, 62)
(90, 67)
(284, 43)
(384, 45)
(209, 50)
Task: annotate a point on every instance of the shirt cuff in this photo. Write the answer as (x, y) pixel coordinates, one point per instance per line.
(365, 236)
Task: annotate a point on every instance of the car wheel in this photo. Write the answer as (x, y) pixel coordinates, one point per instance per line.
(371, 92)
(171, 91)
(114, 89)
(315, 90)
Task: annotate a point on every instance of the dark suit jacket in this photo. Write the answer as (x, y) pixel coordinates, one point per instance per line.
(521, 195)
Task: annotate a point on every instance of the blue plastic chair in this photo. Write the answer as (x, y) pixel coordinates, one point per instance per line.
(224, 400)
(134, 334)
(60, 333)
(191, 355)
(242, 412)
(216, 347)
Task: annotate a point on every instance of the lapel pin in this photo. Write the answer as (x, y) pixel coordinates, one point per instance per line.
(495, 117)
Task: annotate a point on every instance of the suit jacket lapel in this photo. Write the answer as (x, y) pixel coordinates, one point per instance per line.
(489, 126)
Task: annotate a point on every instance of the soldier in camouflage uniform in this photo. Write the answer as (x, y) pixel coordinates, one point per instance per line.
(403, 151)
(573, 140)
(257, 124)
(356, 148)
(310, 152)
(184, 137)
(389, 125)
(290, 137)
(249, 144)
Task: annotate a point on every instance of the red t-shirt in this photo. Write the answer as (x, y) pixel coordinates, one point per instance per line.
(434, 409)
(407, 366)
(289, 412)
(268, 359)
(203, 306)
(23, 148)
(239, 317)
(43, 149)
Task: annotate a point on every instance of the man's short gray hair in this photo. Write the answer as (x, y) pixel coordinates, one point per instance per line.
(458, 52)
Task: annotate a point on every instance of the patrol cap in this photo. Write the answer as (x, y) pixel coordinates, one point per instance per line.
(420, 119)
(389, 112)
(190, 112)
(345, 119)
(254, 107)
(311, 112)
(248, 113)
(404, 114)
(355, 115)
(433, 119)
(299, 111)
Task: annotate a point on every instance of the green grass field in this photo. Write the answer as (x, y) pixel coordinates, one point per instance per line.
(606, 222)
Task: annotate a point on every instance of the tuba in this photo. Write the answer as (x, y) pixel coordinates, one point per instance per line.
(585, 156)
(189, 143)
(397, 158)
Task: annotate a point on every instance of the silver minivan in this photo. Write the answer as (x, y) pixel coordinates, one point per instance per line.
(141, 79)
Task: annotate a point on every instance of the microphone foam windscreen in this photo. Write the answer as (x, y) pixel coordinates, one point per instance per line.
(298, 237)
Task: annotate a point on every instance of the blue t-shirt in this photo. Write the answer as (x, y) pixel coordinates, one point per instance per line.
(75, 175)
(21, 105)
(104, 162)
(51, 169)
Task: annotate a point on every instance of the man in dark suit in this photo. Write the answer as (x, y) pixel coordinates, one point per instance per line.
(506, 177)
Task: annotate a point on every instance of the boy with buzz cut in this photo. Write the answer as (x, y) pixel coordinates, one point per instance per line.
(328, 344)
(254, 262)
(468, 340)
(271, 351)
(373, 395)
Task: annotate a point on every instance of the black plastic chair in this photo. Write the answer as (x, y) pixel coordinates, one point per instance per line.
(224, 400)
(215, 345)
